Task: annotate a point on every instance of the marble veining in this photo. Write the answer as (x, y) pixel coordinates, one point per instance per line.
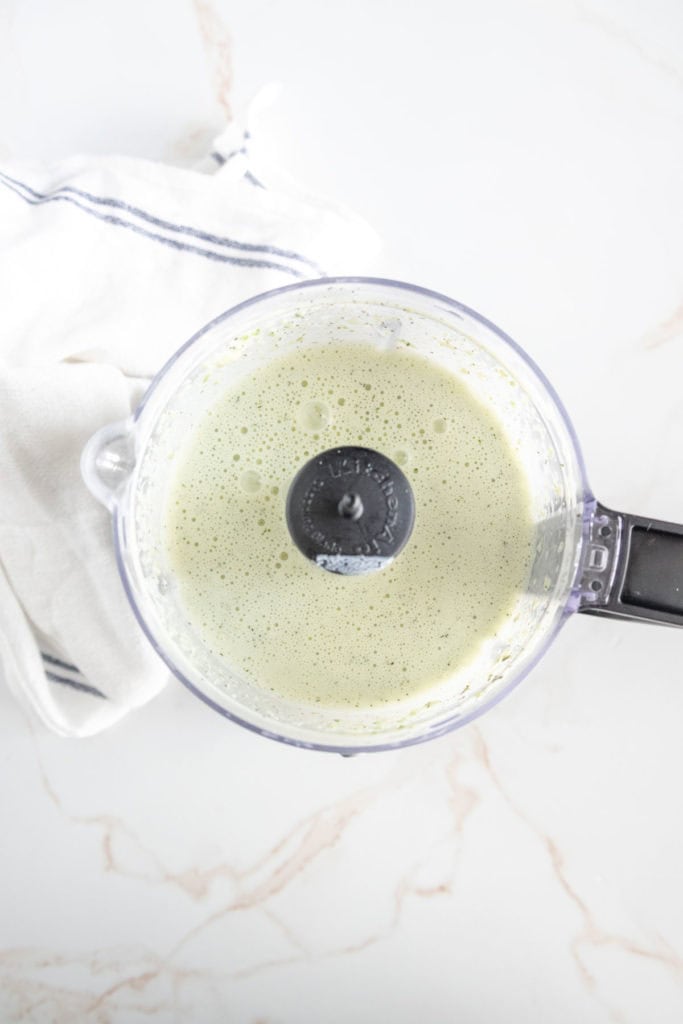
(670, 329)
(218, 49)
(527, 868)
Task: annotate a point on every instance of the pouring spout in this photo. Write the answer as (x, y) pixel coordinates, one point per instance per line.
(108, 460)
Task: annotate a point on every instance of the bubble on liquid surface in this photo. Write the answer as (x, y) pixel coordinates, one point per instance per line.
(250, 481)
(315, 416)
(440, 425)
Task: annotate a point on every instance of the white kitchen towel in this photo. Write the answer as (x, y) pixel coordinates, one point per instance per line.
(107, 265)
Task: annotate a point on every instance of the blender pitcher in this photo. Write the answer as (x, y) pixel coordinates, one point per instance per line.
(585, 557)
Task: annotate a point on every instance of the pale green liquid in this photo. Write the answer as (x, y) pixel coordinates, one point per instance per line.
(310, 635)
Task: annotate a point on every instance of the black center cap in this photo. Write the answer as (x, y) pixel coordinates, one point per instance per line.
(350, 510)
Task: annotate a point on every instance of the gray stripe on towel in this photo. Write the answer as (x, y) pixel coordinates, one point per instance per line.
(60, 664)
(172, 242)
(67, 191)
(75, 685)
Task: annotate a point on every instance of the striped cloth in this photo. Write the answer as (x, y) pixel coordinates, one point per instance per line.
(107, 265)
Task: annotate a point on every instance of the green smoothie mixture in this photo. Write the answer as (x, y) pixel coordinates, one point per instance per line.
(309, 635)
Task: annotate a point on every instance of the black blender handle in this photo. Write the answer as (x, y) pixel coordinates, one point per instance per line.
(633, 568)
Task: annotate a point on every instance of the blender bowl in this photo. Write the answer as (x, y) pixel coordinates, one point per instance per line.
(584, 557)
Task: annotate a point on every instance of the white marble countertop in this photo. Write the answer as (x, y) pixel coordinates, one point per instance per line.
(527, 159)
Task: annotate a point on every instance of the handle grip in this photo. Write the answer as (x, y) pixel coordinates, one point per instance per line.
(633, 568)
